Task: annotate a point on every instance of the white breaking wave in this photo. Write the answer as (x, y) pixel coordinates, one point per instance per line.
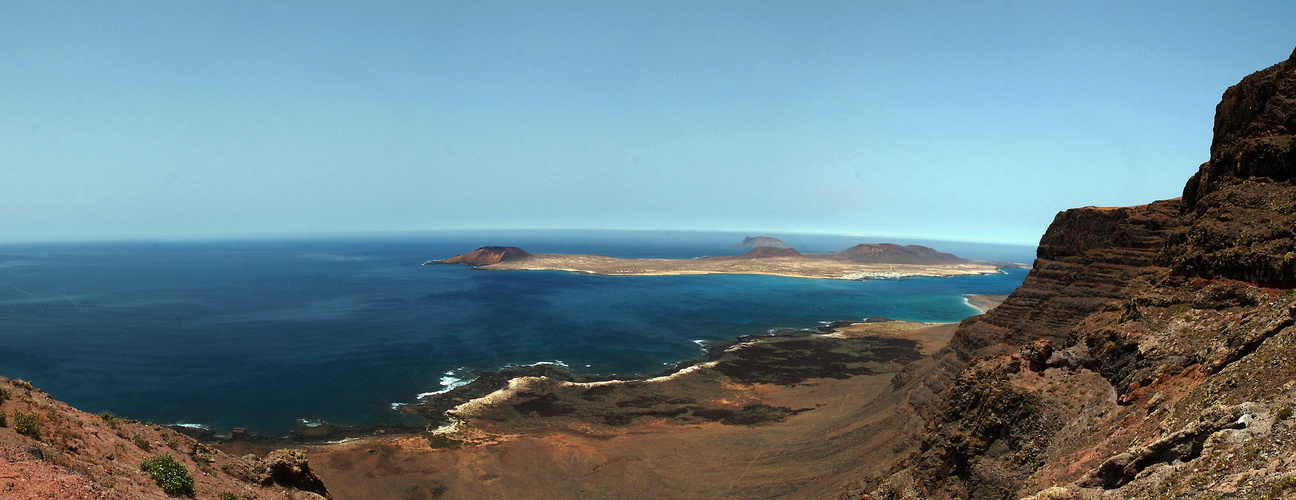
(556, 362)
(449, 382)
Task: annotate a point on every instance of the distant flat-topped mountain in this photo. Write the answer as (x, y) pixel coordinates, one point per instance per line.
(891, 253)
(486, 256)
(762, 241)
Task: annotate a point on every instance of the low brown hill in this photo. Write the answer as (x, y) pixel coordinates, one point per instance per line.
(891, 253)
(767, 252)
(486, 256)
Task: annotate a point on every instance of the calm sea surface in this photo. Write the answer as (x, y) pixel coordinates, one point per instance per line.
(270, 334)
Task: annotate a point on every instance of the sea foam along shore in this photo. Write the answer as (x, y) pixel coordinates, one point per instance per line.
(467, 407)
(520, 384)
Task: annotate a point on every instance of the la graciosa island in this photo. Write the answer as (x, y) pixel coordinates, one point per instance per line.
(862, 261)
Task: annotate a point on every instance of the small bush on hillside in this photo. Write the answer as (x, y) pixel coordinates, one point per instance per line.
(171, 476)
(27, 424)
(1284, 413)
(4, 394)
(437, 441)
(225, 495)
(142, 443)
(4, 422)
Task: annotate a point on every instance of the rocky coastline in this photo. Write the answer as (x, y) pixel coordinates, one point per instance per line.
(437, 410)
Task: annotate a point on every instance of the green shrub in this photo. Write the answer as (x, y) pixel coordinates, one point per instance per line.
(1280, 487)
(439, 441)
(1284, 413)
(171, 475)
(4, 394)
(225, 495)
(27, 424)
(4, 422)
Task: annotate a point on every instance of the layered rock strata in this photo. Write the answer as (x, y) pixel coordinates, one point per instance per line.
(1148, 353)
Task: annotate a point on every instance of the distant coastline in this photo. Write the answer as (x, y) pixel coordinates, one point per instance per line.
(864, 261)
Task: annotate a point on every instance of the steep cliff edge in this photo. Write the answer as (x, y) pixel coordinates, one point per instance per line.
(1242, 204)
(1148, 353)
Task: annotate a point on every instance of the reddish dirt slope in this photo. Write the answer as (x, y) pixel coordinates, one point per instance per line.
(72, 454)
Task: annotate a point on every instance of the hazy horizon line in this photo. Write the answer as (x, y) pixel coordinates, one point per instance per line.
(340, 234)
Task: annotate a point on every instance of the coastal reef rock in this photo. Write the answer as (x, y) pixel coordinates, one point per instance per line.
(762, 241)
(1148, 354)
(51, 450)
(486, 256)
(891, 253)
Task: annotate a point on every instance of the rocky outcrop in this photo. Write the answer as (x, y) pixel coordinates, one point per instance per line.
(762, 241)
(1242, 203)
(486, 256)
(286, 468)
(891, 253)
(1147, 353)
(1085, 260)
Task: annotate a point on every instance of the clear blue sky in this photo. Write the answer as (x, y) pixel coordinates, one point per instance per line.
(957, 120)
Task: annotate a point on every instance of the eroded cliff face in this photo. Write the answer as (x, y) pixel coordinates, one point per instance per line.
(1242, 204)
(1148, 354)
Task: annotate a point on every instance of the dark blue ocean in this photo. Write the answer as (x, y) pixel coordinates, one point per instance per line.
(269, 334)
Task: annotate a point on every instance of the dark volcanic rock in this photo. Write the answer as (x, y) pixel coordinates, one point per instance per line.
(762, 241)
(789, 361)
(486, 256)
(1085, 259)
(1254, 124)
(891, 253)
(1139, 334)
(1242, 203)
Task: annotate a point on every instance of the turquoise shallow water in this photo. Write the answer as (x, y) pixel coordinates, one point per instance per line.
(269, 334)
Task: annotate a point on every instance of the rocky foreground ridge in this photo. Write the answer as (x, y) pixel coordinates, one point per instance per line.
(1150, 353)
(51, 450)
